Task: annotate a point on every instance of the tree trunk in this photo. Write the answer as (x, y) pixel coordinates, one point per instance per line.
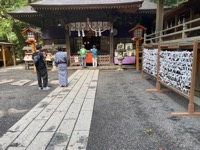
(21, 40)
(18, 33)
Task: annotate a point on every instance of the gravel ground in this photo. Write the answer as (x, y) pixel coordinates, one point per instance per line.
(126, 117)
(16, 101)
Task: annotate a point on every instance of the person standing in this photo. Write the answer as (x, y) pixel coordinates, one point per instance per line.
(83, 53)
(61, 63)
(41, 69)
(94, 56)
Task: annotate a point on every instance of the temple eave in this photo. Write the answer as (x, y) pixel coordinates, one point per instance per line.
(25, 15)
(147, 11)
(85, 7)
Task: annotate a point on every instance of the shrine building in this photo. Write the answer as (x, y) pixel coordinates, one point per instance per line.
(102, 23)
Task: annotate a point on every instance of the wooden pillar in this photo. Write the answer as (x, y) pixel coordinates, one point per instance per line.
(176, 22)
(197, 85)
(137, 55)
(4, 55)
(111, 45)
(191, 110)
(191, 16)
(33, 50)
(194, 69)
(159, 15)
(13, 55)
(67, 42)
(158, 69)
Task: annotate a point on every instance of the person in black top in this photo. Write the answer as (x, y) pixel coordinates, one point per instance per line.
(41, 69)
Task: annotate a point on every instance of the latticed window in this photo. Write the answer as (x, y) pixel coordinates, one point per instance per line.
(138, 32)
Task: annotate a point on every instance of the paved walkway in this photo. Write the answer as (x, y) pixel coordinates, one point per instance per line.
(61, 120)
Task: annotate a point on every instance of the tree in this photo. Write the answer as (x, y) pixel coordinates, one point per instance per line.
(10, 29)
(171, 2)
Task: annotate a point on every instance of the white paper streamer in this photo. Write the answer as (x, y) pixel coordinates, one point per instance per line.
(150, 61)
(176, 69)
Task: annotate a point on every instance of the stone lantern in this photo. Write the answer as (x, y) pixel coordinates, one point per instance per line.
(54, 68)
(120, 57)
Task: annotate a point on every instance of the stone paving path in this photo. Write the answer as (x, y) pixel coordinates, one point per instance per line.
(59, 121)
(23, 82)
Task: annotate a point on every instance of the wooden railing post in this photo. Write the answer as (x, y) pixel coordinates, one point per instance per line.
(158, 68)
(184, 35)
(160, 36)
(193, 76)
(151, 41)
(145, 38)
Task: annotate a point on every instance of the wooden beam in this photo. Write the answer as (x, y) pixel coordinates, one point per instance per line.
(173, 46)
(185, 114)
(175, 90)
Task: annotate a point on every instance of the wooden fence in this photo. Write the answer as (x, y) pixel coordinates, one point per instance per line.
(186, 32)
(102, 60)
(175, 68)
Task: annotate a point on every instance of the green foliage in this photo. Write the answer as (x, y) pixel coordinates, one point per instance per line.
(171, 2)
(6, 26)
(12, 4)
(10, 29)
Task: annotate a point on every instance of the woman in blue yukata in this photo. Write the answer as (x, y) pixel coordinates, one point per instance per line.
(61, 62)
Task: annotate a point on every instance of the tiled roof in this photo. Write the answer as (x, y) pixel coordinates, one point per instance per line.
(84, 2)
(26, 9)
(183, 7)
(147, 4)
(149, 7)
(30, 10)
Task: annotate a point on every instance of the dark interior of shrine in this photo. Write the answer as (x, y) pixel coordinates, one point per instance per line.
(89, 41)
